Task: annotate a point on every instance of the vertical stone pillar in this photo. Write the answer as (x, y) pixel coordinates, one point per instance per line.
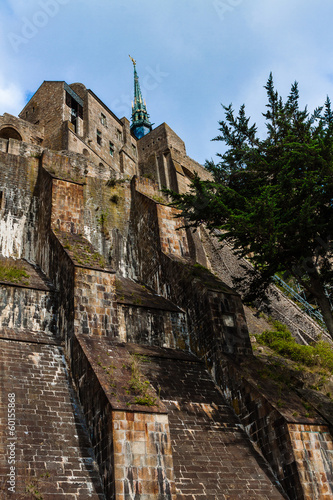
(67, 206)
(95, 307)
(173, 236)
(313, 451)
(143, 465)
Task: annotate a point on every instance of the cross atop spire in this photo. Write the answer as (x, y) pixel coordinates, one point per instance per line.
(140, 118)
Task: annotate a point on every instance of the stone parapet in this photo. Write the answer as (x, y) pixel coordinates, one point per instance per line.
(215, 315)
(29, 133)
(212, 456)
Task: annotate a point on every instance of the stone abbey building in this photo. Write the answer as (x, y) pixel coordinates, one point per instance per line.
(125, 353)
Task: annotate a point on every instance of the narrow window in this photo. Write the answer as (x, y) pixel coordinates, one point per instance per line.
(134, 149)
(99, 137)
(74, 118)
(119, 135)
(68, 100)
(103, 119)
(111, 148)
(76, 109)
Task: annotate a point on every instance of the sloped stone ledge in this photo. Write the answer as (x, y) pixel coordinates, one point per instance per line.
(299, 448)
(132, 442)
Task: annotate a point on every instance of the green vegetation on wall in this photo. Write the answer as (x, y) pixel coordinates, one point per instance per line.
(13, 272)
(280, 340)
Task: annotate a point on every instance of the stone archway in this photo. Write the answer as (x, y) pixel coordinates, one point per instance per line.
(10, 133)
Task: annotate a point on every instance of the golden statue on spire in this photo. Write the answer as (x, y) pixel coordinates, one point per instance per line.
(133, 60)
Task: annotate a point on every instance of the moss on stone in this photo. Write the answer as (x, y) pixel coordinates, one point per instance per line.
(13, 272)
(81, 250)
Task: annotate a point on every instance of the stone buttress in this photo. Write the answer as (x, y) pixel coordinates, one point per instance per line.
(128, 357)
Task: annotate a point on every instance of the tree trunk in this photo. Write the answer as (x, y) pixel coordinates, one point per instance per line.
(318, 291)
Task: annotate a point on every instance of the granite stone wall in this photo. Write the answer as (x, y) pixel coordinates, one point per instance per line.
(106, 219)
(143, 465)
(47, 108)
(47, 446)
(26, 308)
(172, 233)
(156, 327)
(298, 447)
(162, 155)
(18, 177)
(213, 458)
(147, 186)
(313, 450)
(23, 149)
(67, 206)
(95, 308)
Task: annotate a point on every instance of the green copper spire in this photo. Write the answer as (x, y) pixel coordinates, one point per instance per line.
(140, 118)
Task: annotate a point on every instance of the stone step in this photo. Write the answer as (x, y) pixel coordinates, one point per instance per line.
(45, 438)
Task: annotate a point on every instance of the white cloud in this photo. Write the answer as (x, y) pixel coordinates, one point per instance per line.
(11, 98)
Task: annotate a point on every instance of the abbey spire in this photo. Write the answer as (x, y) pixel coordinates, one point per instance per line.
(140, 119)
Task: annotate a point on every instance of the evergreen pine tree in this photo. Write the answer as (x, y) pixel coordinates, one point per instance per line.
(272, 198)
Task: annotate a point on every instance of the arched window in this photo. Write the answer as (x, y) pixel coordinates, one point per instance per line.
(10, 133)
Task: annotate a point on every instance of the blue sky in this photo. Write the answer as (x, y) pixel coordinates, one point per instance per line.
(192, 55)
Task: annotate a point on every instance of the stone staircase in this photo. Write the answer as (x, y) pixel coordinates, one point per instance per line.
(44, 436)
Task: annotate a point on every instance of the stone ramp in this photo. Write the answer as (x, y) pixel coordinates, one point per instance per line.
(213, 458)
(46, 440)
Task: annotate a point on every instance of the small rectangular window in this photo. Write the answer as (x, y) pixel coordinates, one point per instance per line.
(111, 148)
(134, 149)
(103, 119)
(119, 135)
(99, 137)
